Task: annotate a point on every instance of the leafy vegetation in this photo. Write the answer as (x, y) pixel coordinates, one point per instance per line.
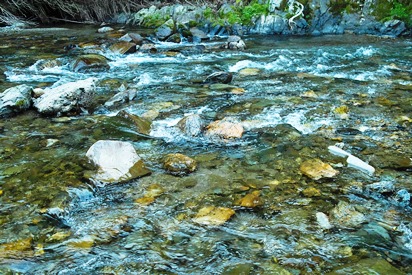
(238, 13)
(398, 9)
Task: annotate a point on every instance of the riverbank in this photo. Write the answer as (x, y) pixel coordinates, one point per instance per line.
(304, 17)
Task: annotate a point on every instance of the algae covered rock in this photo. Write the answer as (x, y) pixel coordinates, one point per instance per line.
(346, 215)
(15, 100)
(117, 161)
(367, 266)
(211, 215)
(317, 169)
(179, 164)
(123, 47)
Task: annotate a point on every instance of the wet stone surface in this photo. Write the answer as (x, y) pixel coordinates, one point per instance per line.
(250, 187)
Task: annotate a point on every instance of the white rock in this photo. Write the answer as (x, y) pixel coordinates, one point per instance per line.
(338, 151)
(105, 29)
(15, 99)
(66, 97)
(352, 161)
(117, 161)
(359, 164)
(323, 220)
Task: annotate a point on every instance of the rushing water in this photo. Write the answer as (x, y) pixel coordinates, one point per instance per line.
(54, 221)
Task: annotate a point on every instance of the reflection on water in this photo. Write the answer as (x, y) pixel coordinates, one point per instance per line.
(298, 96)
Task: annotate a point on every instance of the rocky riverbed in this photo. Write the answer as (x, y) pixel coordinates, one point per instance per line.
(290, 155)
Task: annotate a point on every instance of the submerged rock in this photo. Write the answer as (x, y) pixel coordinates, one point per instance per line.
(123, 47)
(345, 215)
(90, 62)
(225, 129)
(69, 97)
(367, 266)
(143, 125)
(179, 164)
(191, 125)
(250, 200)
(219, 77)
(15, 100)
(323, 220)
(317, 169)
(211, 215)
(392, 160)
(117, 161)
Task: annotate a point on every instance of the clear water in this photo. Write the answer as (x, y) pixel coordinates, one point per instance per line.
(53, 221)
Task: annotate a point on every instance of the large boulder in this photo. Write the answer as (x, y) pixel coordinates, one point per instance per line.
(191, 125)
(117, 161)
(69, 97)
(15, 100)
(90, 62)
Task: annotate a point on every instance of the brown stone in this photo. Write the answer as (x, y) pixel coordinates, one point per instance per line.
(123, 47)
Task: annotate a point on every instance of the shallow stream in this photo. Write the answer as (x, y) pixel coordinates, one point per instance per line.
(294, 96)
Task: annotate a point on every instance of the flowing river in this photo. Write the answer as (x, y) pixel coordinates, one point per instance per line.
(294, 96)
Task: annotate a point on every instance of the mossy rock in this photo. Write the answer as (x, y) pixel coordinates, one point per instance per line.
(90, 62)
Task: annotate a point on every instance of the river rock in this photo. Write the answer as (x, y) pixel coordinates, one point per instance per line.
(198, 35)
(148, 48)
(123, 47)
(251, 200)
(143, 125)
(163, 32)
(179, 164)
(191, 125)
(105, 29)
(393, 28)
(219, 77)
(345, 215)
(392, 160)
(225, 129)
(211, 215)
(66, 98)
(323, 220)
(317, 169)
(249, 72)
(234, 42)
(90, 62)
(367, 266)
(120, 98)
(117, 161)
(15, 99)
(136, 38)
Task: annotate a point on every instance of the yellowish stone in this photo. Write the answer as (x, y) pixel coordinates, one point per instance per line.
(316, 169)
(211, 215)
(59, 236)
(249, 71)
(250, 200)
(83, 243)
(309, 94)
(145, 200)
(311, 192)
